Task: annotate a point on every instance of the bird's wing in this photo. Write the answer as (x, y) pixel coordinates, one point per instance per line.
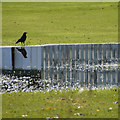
(23, 38)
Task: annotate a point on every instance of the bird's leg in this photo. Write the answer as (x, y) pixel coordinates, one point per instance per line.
(22, 44)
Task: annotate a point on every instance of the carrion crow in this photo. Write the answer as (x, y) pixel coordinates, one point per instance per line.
(22, 39)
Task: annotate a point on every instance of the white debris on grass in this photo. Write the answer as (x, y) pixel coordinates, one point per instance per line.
(24, 115)
(78, 106)
(115, 102)
(78, 114)
(110, 108)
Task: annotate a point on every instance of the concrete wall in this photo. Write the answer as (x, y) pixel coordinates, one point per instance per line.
(6, 58)
(33, 60)
(68, 64)
(36, 55)
(39, 56)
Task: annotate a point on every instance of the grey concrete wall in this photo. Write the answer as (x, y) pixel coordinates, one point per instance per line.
(68, 64)
(33, 60)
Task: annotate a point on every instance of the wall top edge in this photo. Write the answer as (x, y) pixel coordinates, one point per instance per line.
(58, 44)
(59, 0)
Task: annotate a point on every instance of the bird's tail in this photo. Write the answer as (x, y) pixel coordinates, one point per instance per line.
(16, 42)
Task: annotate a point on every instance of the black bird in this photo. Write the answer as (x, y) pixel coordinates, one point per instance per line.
(22, 39)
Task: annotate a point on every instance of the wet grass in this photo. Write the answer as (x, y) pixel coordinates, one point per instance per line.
(66, 104)
(49, 23)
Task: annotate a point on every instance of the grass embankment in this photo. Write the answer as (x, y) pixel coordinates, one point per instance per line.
(67, 104)
(48, 23)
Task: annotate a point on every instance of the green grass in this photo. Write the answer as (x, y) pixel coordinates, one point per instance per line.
(50, 23)
(93, 104)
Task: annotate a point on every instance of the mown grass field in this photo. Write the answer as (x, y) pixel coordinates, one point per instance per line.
(50, 23)
(66, 104)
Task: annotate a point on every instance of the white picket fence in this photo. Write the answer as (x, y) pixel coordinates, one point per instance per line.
(70, 65)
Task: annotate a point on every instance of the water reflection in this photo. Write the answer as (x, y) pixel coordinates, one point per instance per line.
(22, 51)
(52, 78)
